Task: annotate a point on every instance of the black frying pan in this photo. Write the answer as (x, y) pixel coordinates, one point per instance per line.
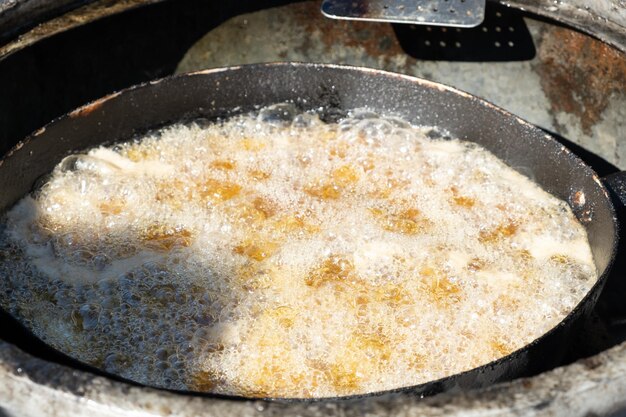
(225, 92)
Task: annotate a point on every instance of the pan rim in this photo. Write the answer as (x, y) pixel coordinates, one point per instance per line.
(91, 106)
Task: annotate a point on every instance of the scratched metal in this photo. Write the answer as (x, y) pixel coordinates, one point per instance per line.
(604, 19)
(456, 13)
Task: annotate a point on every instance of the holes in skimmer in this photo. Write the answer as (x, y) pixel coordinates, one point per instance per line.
(503, 36)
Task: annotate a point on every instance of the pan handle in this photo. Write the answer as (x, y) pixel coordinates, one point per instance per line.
(616, 183)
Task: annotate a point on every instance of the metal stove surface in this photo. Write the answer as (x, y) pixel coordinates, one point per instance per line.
(561, 80)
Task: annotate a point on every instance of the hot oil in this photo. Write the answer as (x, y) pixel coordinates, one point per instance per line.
(277, 255)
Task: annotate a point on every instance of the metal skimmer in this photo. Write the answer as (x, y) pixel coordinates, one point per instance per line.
(459, 13)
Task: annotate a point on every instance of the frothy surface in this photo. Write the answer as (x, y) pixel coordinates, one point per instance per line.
(274, 255)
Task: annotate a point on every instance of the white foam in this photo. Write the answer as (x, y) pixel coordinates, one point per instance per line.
(269, 258)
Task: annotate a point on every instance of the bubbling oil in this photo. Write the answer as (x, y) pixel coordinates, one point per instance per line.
(275, 255)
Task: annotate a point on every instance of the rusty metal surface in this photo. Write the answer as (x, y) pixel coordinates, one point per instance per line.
(579, 75)
(605, 19)
(575, 86)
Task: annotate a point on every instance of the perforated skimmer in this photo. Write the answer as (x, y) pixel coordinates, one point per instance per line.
(459, 13)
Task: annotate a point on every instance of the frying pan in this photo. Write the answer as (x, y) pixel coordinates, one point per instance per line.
(333, 89)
